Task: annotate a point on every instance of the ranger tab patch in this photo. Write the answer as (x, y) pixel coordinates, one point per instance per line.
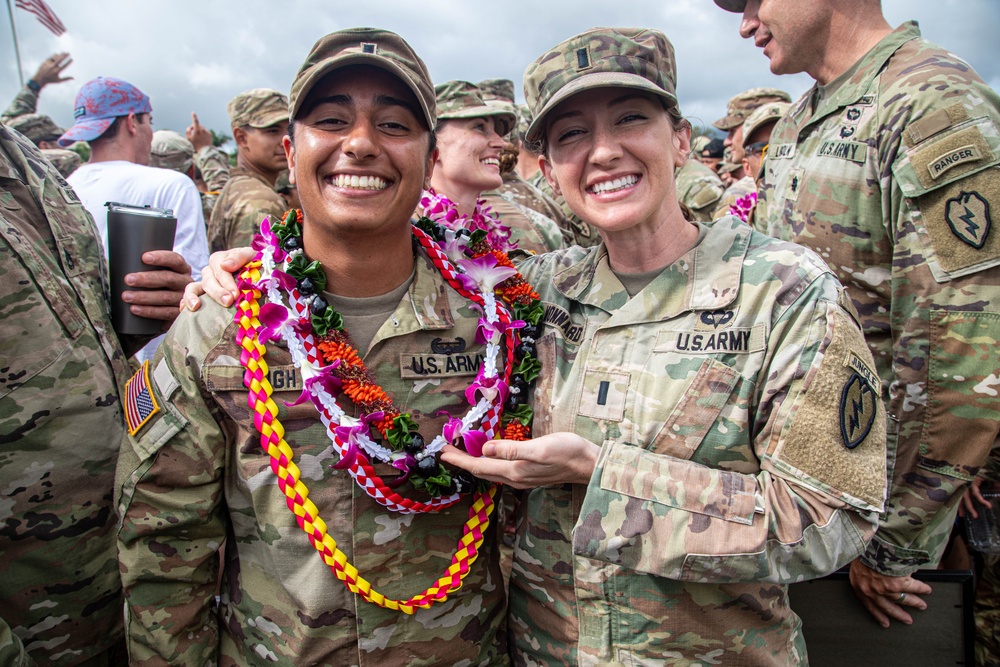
(140, 404)
(858, 405)
(968, 215)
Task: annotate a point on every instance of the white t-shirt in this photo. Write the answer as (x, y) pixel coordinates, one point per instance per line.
(137, 185)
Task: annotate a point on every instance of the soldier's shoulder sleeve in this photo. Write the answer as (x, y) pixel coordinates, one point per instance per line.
(251, 203)
(25, 102)
(214, 167)
(946, 168)
(169, 487)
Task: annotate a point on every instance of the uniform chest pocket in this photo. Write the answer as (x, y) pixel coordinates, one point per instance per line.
(695, 408)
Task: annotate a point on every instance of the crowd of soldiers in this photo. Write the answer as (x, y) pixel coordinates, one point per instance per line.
(887, 169)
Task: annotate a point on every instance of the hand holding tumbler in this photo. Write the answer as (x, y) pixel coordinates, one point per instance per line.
(132, 231)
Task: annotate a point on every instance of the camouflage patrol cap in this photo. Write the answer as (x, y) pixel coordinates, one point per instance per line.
(461, 99)
(365, 46)
(736, 6)
(768, 113)
(497, 89)
(636, 58)
(65, 161)
(170, 150)
(37, 127)
(740, 106)
(258, 108)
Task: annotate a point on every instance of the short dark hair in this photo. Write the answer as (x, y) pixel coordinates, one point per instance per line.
(114, 128)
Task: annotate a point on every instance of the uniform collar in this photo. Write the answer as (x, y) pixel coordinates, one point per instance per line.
(711, 272)
(852, 85)
(427, 304)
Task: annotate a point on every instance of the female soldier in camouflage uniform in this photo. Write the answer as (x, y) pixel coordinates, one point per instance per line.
(708, 420)
(470, 142)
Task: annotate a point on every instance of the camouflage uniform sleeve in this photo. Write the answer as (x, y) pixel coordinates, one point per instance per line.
(25, 102)
(12, 651)
(169, 485)
(214, 167)
(946, 326)
(809, 508)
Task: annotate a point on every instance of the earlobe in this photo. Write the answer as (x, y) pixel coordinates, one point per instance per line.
(432, 160)
(289, 147)
(549, 174)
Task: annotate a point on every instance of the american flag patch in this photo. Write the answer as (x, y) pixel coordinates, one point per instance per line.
(140, 404)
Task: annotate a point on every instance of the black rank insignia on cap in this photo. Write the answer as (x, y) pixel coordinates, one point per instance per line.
(582, 58)
(858, 403)
(368, 47)
(968, 215)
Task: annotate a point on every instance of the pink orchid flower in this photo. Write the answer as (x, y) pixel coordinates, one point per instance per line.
(472, 439)
(482, 273)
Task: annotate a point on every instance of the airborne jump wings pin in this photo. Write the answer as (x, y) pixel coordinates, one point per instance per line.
(858, 403)
(968, 215)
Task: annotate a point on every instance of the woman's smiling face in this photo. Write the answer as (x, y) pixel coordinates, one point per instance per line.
(468, 160)
(612, 153)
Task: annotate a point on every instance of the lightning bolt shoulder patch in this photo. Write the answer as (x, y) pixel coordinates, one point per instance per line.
(968, 215)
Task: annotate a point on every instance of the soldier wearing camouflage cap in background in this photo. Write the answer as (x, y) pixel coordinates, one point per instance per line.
(689, 457)
(516, 198)
(757, 135)
(470, 139)
(194, 477)
(738, 110)
(698, 144)
(171, 150)
(44, 133)
(889, 166)
(41, 129)
(259, 119)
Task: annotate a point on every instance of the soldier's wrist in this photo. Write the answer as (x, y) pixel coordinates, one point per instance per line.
(893, 560)
(33, 85)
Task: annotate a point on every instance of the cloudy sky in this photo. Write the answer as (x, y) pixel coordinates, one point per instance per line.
(194, 56)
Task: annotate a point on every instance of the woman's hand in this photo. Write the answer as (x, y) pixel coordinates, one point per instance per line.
(217, 278)
(556, 458)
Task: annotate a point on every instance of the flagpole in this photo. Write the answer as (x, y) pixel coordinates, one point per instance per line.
(17, 49)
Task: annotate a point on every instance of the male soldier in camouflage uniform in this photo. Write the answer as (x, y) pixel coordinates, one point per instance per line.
(194, 477)
(712, 154)
(889, 168)
(718, 388)
(61, 417)
(737, 111)
(698, 188)
(259, 120)
(172, 151)
(44, 133)
(757, 135)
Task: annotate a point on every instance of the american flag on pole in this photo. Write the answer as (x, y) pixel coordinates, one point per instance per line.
(140, 404)
(44, 14)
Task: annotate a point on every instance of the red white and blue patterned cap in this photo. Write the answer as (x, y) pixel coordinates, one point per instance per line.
(97, 105)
